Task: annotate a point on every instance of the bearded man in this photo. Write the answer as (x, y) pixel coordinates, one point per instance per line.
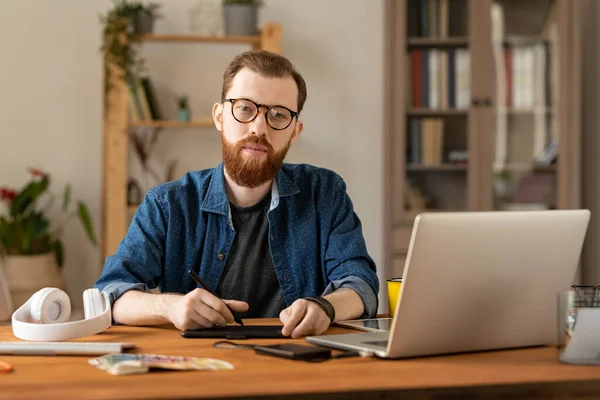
(273, 239)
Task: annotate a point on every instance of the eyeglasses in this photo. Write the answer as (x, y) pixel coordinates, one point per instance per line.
(245, 111)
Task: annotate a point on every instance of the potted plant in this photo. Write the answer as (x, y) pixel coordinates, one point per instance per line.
(241, 16)
(31, 248)
(183, 110)
(123, 26)
(503, 183)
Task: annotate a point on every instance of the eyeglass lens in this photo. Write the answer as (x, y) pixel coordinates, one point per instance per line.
(277, 117)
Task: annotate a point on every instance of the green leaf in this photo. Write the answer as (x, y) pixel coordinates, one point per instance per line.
(40, 226)
(4, 233)
(28, 196)
(59, 253)
(84, 215)
(24, 239)
(66, 197)
(8, 234)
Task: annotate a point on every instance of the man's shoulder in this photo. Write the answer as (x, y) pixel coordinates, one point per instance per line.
(192, 182)
(307, 173)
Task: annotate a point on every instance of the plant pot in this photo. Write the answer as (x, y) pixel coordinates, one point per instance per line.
(503, 188)
(143, 22)
(28, 274)
(183, 114)
(240, 19)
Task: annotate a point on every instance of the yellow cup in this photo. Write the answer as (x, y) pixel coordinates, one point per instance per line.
(393, 286)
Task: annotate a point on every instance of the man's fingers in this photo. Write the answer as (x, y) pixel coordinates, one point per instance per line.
(201, 320)
(297, 312)
(213, 315)
(212, 307)
(284, 314)
(236, 305)
(308, 324)
(207, 299)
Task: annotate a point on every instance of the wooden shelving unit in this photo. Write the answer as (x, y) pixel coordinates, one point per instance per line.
(116, 127)
(251, 40)
(488, 155)
(437, 42)
(206, 122)
(435, 112)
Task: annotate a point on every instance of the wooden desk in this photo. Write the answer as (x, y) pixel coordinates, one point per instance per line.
(527, 373)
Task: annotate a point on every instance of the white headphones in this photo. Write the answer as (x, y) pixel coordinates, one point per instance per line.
(44, 316)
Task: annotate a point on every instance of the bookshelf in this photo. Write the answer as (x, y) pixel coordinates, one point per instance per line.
(117, 126)
(482, 110)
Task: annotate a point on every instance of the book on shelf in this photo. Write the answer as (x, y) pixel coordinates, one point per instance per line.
(438, 78)
(429, 18)
(526, 81)
(522, 64)
(426, 136)
(142, 102)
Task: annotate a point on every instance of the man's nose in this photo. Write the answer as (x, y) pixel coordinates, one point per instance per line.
(259, 126)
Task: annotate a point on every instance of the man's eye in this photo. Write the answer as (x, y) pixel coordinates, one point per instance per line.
(276, 114)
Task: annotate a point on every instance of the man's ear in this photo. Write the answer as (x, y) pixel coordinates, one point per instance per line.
(299, 127)
(217, 114)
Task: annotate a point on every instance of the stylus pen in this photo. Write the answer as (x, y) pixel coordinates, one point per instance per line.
(199, 281)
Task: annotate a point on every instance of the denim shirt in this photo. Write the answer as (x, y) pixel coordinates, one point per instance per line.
(315, 237)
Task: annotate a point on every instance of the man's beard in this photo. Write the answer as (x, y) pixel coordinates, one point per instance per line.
(248, 171)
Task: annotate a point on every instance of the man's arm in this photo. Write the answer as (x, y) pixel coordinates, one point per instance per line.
(138, 262)
(347, 261)
(196, 309)
(347, 304)
(353, 282)
(140, 308)
(137, 267)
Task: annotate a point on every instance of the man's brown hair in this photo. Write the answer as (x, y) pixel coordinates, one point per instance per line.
(267, 64)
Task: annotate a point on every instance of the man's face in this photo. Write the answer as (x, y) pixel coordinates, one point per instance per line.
(253, 152)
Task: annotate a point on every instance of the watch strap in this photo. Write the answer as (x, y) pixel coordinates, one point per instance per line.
(325, 306)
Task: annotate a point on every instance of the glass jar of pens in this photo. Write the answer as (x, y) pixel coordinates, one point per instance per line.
(579, 325)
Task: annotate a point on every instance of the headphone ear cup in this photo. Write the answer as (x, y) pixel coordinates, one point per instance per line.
(50, 305)
(93, 304)
(35, 309)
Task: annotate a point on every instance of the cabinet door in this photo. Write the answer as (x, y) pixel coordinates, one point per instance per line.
(527, 137)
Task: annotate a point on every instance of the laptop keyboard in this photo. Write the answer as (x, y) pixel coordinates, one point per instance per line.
(378, 343)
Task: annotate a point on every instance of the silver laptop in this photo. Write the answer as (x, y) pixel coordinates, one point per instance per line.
(478, 281)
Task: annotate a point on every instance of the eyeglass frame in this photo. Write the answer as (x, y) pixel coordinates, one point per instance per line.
(258, 106)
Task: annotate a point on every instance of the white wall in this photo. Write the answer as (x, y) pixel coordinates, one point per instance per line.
(50, 98)
(50, 115)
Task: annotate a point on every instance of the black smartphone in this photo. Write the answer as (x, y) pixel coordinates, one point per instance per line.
(294, 351)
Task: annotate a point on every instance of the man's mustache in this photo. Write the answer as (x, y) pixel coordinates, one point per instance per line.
(258, 140)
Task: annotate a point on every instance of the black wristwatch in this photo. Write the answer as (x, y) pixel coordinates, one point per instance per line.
(325, 305)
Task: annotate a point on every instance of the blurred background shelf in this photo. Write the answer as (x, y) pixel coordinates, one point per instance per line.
(483, 110)
(199, 123)
(437, 167)
(251, 40)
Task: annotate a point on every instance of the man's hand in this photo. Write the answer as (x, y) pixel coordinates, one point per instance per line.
(303, 318)
(200, 309)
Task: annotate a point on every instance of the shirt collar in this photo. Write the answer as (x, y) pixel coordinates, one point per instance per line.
(216, 200)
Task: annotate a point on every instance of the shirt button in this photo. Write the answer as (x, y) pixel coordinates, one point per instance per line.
(221, 256)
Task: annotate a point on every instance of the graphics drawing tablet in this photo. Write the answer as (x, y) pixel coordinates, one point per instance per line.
(236, 332)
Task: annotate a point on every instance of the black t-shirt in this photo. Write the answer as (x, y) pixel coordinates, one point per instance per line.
(249, 274)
